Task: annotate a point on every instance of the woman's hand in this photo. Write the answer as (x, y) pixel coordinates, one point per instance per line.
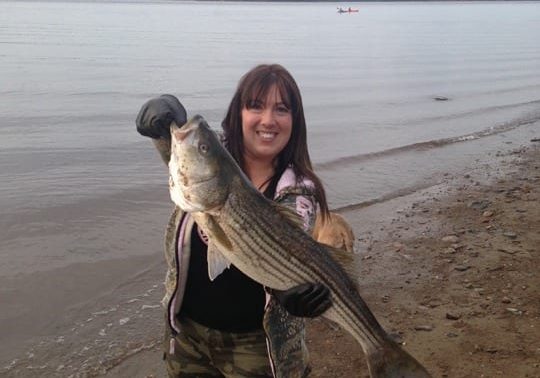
(307, 300)
(157, 114)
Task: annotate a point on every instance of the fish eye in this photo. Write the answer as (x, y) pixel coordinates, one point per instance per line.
(203, 147)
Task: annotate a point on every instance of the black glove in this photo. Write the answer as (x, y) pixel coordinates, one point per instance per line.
(156, 115)
(307, 300)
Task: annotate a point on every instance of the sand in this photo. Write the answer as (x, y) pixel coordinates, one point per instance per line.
(450, 271)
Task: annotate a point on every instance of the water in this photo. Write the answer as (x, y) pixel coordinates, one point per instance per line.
(77, 182)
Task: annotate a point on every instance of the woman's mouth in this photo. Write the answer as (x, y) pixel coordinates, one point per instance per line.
(267, 135)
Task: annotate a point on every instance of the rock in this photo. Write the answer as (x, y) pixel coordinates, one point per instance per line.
(514, 311)
(462, 268)
(452, 316)
(487, 214)
(396, 337)
(479, 205)
(426, 328)
(510, 234)
(440, 98)
(450, 239)
(506, 300)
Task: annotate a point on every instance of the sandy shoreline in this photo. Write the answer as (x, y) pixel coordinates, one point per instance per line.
(451, 270)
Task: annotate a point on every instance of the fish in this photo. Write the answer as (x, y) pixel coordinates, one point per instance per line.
(267, 242)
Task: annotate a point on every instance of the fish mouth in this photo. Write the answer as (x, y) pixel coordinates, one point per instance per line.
(181, 133)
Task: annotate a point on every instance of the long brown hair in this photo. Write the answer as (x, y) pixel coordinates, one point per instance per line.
(254, 86)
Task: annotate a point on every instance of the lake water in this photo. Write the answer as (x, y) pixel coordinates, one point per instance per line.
(77, 183)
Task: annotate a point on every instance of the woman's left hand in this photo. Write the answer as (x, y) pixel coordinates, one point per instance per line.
(306, 300)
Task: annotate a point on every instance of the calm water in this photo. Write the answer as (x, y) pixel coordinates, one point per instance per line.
(74, 174)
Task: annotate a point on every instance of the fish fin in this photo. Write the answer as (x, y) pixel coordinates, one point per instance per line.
(218, 235)
(347, 260)
(217, 263)
(290, 214)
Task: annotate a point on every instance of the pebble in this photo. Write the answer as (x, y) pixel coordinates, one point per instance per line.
(426, 328)
(506, 300)
(479, 205)
(452, 316)
(396, 337)
(514, 311)
(510, 234)
(450, 239)
(462, 268)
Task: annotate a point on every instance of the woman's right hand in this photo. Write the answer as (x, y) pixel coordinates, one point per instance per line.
(157, 114)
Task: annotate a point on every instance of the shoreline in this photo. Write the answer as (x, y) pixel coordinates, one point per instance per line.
(443, 267)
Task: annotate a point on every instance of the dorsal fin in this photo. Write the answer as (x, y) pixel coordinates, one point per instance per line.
(290, 214)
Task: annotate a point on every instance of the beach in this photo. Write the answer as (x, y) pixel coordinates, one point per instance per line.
(451, 272)
(421, 119)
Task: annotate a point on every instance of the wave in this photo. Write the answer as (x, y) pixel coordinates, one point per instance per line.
(431, 144)
(387, 197)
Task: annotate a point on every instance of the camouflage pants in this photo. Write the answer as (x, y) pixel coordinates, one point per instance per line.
(199, 351)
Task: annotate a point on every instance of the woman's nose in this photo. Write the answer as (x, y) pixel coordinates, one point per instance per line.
(267, 117)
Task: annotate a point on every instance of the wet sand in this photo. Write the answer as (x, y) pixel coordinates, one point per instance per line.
(452, 271)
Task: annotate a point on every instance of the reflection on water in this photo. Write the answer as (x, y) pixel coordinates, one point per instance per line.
(74, 75)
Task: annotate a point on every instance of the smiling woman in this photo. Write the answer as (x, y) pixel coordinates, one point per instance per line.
(266, 127)
(262, 331)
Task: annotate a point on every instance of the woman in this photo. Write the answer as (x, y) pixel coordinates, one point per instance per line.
(232, 325)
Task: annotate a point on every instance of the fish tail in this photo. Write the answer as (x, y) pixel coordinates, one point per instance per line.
(394, 362)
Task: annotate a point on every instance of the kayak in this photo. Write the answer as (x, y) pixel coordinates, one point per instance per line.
(347, 10)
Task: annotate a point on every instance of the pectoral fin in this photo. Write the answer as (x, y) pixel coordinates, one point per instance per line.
(290, 214)
(218, 241)
(217, 263)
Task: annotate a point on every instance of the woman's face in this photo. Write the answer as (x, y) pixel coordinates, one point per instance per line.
(266, 126)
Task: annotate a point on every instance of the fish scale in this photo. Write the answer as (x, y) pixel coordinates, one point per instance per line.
(268, 245)
(283, 254)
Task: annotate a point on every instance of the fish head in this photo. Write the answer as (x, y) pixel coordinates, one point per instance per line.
(198, 180)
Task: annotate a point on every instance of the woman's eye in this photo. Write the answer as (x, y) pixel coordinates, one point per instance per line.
(282, 109)
(255, 105)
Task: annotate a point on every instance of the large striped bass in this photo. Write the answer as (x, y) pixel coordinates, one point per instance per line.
(267, 243)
